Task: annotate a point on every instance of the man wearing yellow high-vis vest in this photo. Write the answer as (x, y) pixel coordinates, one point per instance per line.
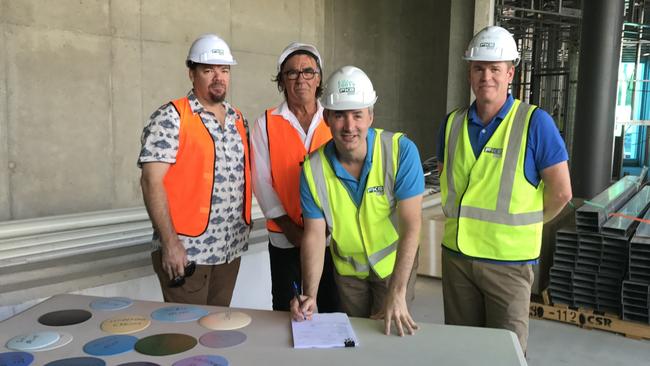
(364, 188)
(503, 174)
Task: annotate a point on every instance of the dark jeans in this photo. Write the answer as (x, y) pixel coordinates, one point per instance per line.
(285, 268)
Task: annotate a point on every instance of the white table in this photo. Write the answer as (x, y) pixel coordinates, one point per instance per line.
(269, 340)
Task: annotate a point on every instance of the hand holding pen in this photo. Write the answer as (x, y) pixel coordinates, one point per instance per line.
(301, 306)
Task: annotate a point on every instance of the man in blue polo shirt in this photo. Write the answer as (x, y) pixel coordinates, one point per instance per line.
(364, 187)
(503, 174)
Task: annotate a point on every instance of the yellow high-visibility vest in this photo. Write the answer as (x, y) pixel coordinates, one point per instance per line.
(492, 211)
(363, 237)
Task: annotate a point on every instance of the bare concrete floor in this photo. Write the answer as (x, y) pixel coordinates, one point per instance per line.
(549, 343)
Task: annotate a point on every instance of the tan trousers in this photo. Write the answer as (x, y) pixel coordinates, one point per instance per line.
(362, 298)
(482, 294)
(209, 285)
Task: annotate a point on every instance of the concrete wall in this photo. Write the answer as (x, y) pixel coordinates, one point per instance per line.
(394, 42)
(406, 49)
(79, 78)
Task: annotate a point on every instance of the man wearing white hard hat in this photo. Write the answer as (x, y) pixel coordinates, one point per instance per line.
(503, 174)
(281, 138)
(365, 188)
(196, 182)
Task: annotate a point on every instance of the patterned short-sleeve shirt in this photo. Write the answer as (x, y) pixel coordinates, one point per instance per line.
(226, 237)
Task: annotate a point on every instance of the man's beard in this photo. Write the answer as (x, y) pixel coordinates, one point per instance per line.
(214, 97)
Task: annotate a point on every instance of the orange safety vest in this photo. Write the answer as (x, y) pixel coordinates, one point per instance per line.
(286, 154)
(189, 181)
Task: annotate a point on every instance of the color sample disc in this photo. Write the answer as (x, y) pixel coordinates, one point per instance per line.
(139, 363)
(125, 324)
(78, 361)
(110, 345)
(32, 341)
(111, 303)
(222, 338)
(227, 320)
(181, 313)
(64, 339)
(207, 360)
(65, 317)
(165, 344)
(16, 359)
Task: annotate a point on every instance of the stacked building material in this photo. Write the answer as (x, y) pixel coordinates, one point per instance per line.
(590, 263)
(636, 299)
(636, 288)
(591, 217)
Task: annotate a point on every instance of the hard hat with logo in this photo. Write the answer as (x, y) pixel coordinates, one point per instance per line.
(210, 49)
(297, 46)
(348, 88)
(492, 43)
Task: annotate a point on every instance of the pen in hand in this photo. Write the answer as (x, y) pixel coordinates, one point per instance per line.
(296, 293)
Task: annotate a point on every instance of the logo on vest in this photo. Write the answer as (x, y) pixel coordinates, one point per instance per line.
(378, 190)
(494, 151)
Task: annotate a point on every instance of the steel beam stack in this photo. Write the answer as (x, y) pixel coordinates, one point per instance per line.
(636, 288)
(591, 262)
(591, 217)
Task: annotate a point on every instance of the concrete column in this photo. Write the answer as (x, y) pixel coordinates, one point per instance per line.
(600, 44)
(461, 30)
(483, 17)
(483, 14)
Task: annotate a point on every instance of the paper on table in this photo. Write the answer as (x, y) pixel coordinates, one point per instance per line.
(325, 330)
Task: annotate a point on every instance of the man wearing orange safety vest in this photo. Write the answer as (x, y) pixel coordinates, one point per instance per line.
(281, 138)
(196, 185)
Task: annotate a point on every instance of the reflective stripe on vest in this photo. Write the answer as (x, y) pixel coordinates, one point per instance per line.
(189, 181)
(505, 220)
(286, 154)
(360, 242)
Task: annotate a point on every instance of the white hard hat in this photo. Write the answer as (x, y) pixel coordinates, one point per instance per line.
(348, 88)
(210, 49)
(492, 44)
(297, 46)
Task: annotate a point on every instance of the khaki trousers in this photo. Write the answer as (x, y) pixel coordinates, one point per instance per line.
(365, 297)
(482, 294)
(209, 285)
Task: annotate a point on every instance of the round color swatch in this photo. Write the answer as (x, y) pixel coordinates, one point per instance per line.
(111, 303)
(16, 359)
(207, 360)
(65, 317)
(32, 341)
(165, 344)
(222, 338)
(78, 361)
(110, 345)
(139, 363)
(64, 339)
(179, 314)
(228, 320)
(125, 324)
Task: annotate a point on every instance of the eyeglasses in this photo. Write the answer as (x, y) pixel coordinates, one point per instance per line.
(307, 74)
(179, 281)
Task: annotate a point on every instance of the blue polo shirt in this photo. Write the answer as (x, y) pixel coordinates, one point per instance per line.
(544, 147)
(409, 180)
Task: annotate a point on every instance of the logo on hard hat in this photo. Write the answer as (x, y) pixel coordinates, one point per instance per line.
(486, 44)
(346, 86)
(218, 51)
